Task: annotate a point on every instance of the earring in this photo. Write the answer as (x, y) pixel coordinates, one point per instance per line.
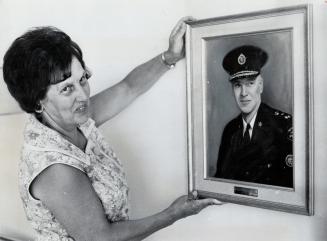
(39, 108)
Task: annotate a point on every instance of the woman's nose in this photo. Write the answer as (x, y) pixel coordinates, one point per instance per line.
(82, 94)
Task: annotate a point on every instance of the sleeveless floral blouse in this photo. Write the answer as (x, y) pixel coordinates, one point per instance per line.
(44, 147)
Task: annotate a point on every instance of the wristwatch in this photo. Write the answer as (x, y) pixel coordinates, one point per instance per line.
(170, 66)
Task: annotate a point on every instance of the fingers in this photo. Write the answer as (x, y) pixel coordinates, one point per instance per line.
(180, 27)
(196, 206)
(178, 30)
(199, 204)
(193, 195)
(189, 205)
(176, 49)
(209, 201)
(188, 19)
(181, 31)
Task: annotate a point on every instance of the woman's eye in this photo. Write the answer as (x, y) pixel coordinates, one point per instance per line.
(85, 77)
(88, 74)
(67, 89)
(83, 80)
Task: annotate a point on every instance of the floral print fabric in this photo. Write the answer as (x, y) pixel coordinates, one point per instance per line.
(44, 147)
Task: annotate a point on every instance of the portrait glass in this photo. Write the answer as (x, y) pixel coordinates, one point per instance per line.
(250, 108)
(269, 159)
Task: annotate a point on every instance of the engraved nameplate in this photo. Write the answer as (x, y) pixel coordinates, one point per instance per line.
(246, 191)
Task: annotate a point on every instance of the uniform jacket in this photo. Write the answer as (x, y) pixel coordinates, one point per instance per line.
(267, 159)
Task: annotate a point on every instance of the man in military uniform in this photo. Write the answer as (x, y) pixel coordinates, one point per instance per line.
(256, 146)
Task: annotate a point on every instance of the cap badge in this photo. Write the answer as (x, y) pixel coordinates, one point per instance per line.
(241, 59)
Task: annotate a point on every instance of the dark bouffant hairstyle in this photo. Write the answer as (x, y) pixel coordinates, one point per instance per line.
(34, 61)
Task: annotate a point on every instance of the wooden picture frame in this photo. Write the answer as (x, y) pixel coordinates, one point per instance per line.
(285, 34)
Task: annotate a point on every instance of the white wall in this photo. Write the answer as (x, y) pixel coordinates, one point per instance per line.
(115, 36)
(150, 135)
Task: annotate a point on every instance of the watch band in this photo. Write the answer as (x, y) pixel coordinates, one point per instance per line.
(164, 61)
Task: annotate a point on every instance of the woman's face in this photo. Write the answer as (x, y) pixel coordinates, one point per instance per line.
(67, 103)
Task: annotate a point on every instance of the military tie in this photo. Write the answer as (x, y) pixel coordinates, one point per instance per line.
(246, 137)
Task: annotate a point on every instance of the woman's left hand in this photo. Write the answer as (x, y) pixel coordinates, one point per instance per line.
(176, 50)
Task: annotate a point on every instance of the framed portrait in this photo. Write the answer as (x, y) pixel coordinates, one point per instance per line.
(250, 108)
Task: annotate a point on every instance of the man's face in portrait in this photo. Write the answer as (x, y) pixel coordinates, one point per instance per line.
(247, 93)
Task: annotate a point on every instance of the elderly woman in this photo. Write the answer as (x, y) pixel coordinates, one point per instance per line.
(72, 184)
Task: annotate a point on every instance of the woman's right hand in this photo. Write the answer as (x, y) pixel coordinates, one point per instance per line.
(188, 205)
(176, 49)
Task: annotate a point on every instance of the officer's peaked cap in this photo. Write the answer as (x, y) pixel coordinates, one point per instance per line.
(244, 61)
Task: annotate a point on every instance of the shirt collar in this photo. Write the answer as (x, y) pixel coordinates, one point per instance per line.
(251, 122)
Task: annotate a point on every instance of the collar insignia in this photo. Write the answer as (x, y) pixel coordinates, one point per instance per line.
(289, 160)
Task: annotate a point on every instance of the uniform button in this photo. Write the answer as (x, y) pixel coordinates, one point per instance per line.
(268, 165)
(247, 173)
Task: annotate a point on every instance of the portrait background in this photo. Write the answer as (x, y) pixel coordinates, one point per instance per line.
(277, 74)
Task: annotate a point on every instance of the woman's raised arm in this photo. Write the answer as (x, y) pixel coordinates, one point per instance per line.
(111, 101)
